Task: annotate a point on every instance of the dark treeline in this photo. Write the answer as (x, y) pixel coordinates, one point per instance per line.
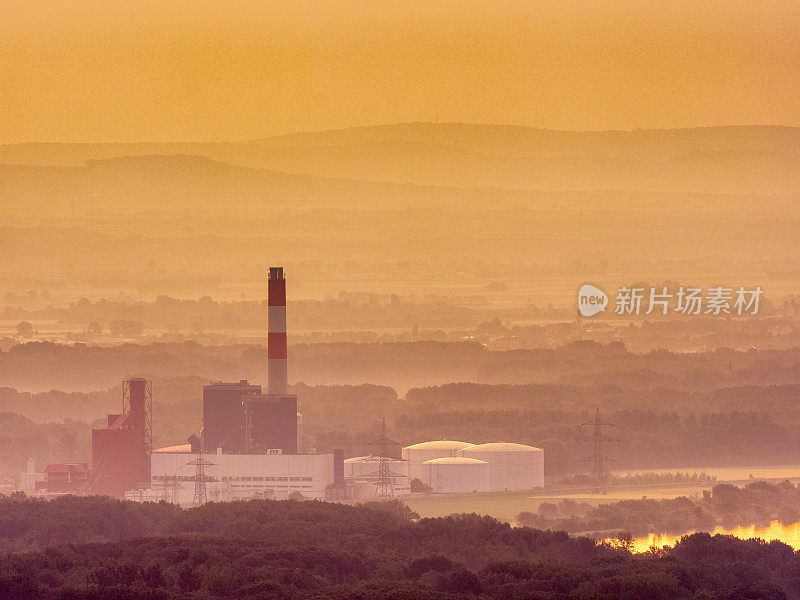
(313, 550)
(55, 405)
(726, 505)
(402, 365)
(777, 399)
(725, 407)
(748, 425)
(22, 439)
(43, 365)
(647, 438)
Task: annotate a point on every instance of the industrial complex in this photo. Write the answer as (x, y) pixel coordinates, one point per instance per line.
(251, 446)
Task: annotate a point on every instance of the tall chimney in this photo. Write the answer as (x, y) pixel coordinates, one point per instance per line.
(276, 338)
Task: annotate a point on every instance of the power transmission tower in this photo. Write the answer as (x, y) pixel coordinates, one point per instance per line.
(598, 458)
(171, 487)
(384, 482)
(200, 478)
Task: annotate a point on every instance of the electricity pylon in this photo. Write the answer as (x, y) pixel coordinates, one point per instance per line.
(598, 459)
(200, 478)
(384, 482)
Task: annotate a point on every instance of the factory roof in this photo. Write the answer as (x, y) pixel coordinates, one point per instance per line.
(119, 421)
(439, 445)
(455, 460)
(501, 447)
(242, 384)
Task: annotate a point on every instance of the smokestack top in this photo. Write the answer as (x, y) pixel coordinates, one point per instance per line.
(276, 332)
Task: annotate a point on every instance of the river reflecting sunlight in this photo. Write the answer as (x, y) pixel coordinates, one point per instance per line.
(788, 534)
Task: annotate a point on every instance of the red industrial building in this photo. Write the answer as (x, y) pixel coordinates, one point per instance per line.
(65, 478)
(121, 452)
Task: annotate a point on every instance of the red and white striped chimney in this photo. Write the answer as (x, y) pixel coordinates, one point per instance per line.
(276, 338)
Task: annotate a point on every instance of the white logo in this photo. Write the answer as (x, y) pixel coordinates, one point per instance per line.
(634, 301)
(591, 300)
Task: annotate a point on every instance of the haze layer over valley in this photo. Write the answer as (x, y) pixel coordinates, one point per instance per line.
(419, 208)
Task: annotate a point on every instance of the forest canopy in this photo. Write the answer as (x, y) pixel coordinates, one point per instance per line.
(98, 548)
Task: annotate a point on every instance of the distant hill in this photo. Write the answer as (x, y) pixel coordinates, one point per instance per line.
(180, 181)
(757, 159)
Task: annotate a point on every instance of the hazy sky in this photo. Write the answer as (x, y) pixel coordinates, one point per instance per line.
(170, 70)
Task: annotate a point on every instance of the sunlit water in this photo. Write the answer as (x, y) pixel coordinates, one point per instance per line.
(788, 534)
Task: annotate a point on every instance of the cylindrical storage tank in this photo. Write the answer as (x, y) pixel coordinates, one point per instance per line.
(455, 474)
(511, 466)
(417, 454)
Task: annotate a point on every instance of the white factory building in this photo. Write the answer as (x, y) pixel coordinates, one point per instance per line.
(239, 476)
(449, 466)
(446, 466)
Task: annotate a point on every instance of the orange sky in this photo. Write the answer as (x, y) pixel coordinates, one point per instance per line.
(156, 70)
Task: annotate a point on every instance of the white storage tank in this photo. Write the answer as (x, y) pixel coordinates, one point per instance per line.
(511, 466)
(417, 454)
(366, 468)
(455, 474)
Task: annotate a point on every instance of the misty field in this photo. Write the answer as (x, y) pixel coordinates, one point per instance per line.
(505, 506)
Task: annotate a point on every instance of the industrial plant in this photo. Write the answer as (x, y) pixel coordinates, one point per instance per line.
(251, 446)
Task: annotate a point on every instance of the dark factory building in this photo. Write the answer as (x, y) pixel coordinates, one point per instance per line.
(272, 423)
(223, 415)
(239, 419)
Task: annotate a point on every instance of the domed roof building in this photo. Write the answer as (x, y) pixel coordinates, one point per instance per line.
(416, 454)
(511, 466)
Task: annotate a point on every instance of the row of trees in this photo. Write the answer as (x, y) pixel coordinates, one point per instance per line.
(405, 365)
(291, 550)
